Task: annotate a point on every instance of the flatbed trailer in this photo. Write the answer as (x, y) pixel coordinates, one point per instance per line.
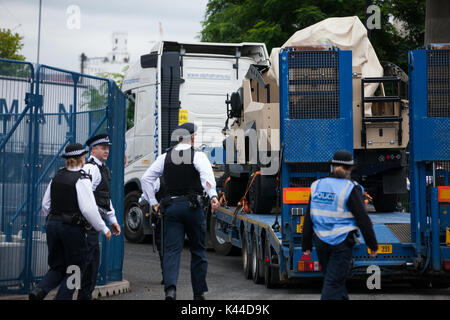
(412, 246)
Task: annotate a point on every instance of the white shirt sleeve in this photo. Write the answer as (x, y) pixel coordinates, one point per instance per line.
(94, 171)
(203, 166)
(46, 201)
(149, 178)
(111, 215)
(87, 205)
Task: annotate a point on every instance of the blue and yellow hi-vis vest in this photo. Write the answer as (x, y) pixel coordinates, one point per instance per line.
(331, 218)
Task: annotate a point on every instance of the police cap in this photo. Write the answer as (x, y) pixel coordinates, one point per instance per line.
(184, 130)
(99, 139)
(343, 157)
(74, 150)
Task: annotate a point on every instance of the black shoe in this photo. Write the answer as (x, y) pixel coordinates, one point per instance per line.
(171, 293)
(37, 294)
(200, 296)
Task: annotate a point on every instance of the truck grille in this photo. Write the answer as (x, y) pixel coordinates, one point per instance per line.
(313, 84)
(438, 83)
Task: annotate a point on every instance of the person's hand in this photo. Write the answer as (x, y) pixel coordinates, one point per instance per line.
(156, 209)
(214, 204)
(373, 254)
(108, 235)
(116, 229)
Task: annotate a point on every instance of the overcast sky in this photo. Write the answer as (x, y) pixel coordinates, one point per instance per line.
(62, 42)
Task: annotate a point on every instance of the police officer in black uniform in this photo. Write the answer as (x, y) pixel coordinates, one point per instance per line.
(101, 178)
(70, 206)
(186, 173)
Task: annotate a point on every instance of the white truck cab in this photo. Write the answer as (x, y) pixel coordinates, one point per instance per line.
(176, 83)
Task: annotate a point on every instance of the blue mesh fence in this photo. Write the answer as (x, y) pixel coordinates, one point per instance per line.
(40, 113)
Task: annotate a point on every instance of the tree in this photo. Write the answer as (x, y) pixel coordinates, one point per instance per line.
(274, 21)
(10, 45)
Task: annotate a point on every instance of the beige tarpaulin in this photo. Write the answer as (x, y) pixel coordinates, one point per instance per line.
(346, 33)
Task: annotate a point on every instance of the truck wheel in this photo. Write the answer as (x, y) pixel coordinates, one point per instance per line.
(259, 194)
(256, 268)
(385, 202)
(271, 274)
(246, 261)
(221, 246)
(133, 218)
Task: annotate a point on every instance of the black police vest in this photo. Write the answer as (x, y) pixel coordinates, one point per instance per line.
(63, 192)
(181, 179)
(102, 192)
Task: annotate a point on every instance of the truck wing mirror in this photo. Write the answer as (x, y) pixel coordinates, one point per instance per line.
(149, 60)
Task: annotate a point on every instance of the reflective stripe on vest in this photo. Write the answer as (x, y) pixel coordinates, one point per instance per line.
(332, 220)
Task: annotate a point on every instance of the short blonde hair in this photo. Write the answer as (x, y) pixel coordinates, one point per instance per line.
(74, 162)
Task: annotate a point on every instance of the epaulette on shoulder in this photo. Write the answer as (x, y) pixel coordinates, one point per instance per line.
(85, 175)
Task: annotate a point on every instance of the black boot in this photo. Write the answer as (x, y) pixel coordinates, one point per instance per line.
(171, 293)
(200, 296)
(37, 294)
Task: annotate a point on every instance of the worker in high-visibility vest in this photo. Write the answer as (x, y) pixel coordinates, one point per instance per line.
(335, 211)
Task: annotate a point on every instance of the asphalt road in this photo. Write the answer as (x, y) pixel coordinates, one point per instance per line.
(226, 282)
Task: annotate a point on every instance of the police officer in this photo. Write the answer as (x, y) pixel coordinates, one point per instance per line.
(101, 177)
(186, 174)
(335, 211)
(69, 204)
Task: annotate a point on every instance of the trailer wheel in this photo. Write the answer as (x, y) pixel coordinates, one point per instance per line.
(133, 218)
(222, 247)
(246, 261)
(256, 268)
(271, 274)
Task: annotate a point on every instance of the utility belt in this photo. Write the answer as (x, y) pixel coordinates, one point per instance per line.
(194, 200)
(70, 218)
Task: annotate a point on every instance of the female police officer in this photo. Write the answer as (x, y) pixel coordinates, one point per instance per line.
(335, 211)
(68, 203)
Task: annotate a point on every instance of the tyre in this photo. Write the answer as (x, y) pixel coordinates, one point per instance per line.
(271, 274)
(256, 265)
(261, 194)
(221, 246)
(235, 190)
(133, 218)
(246, 260)
(385, 202)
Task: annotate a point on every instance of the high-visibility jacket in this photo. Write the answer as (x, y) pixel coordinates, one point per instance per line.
(330, 216)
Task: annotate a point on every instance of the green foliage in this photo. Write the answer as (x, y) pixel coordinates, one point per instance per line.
(10, 45)
(274, 21)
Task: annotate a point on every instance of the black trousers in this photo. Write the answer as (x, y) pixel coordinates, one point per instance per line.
(180, 219)
(89, 278)
(336, 266)
(67, 247)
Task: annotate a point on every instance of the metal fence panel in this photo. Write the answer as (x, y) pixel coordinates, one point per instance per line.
(64, 107)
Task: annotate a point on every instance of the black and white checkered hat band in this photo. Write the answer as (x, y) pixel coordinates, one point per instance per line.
(103, 140)
(74, 153)
(348, 163)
